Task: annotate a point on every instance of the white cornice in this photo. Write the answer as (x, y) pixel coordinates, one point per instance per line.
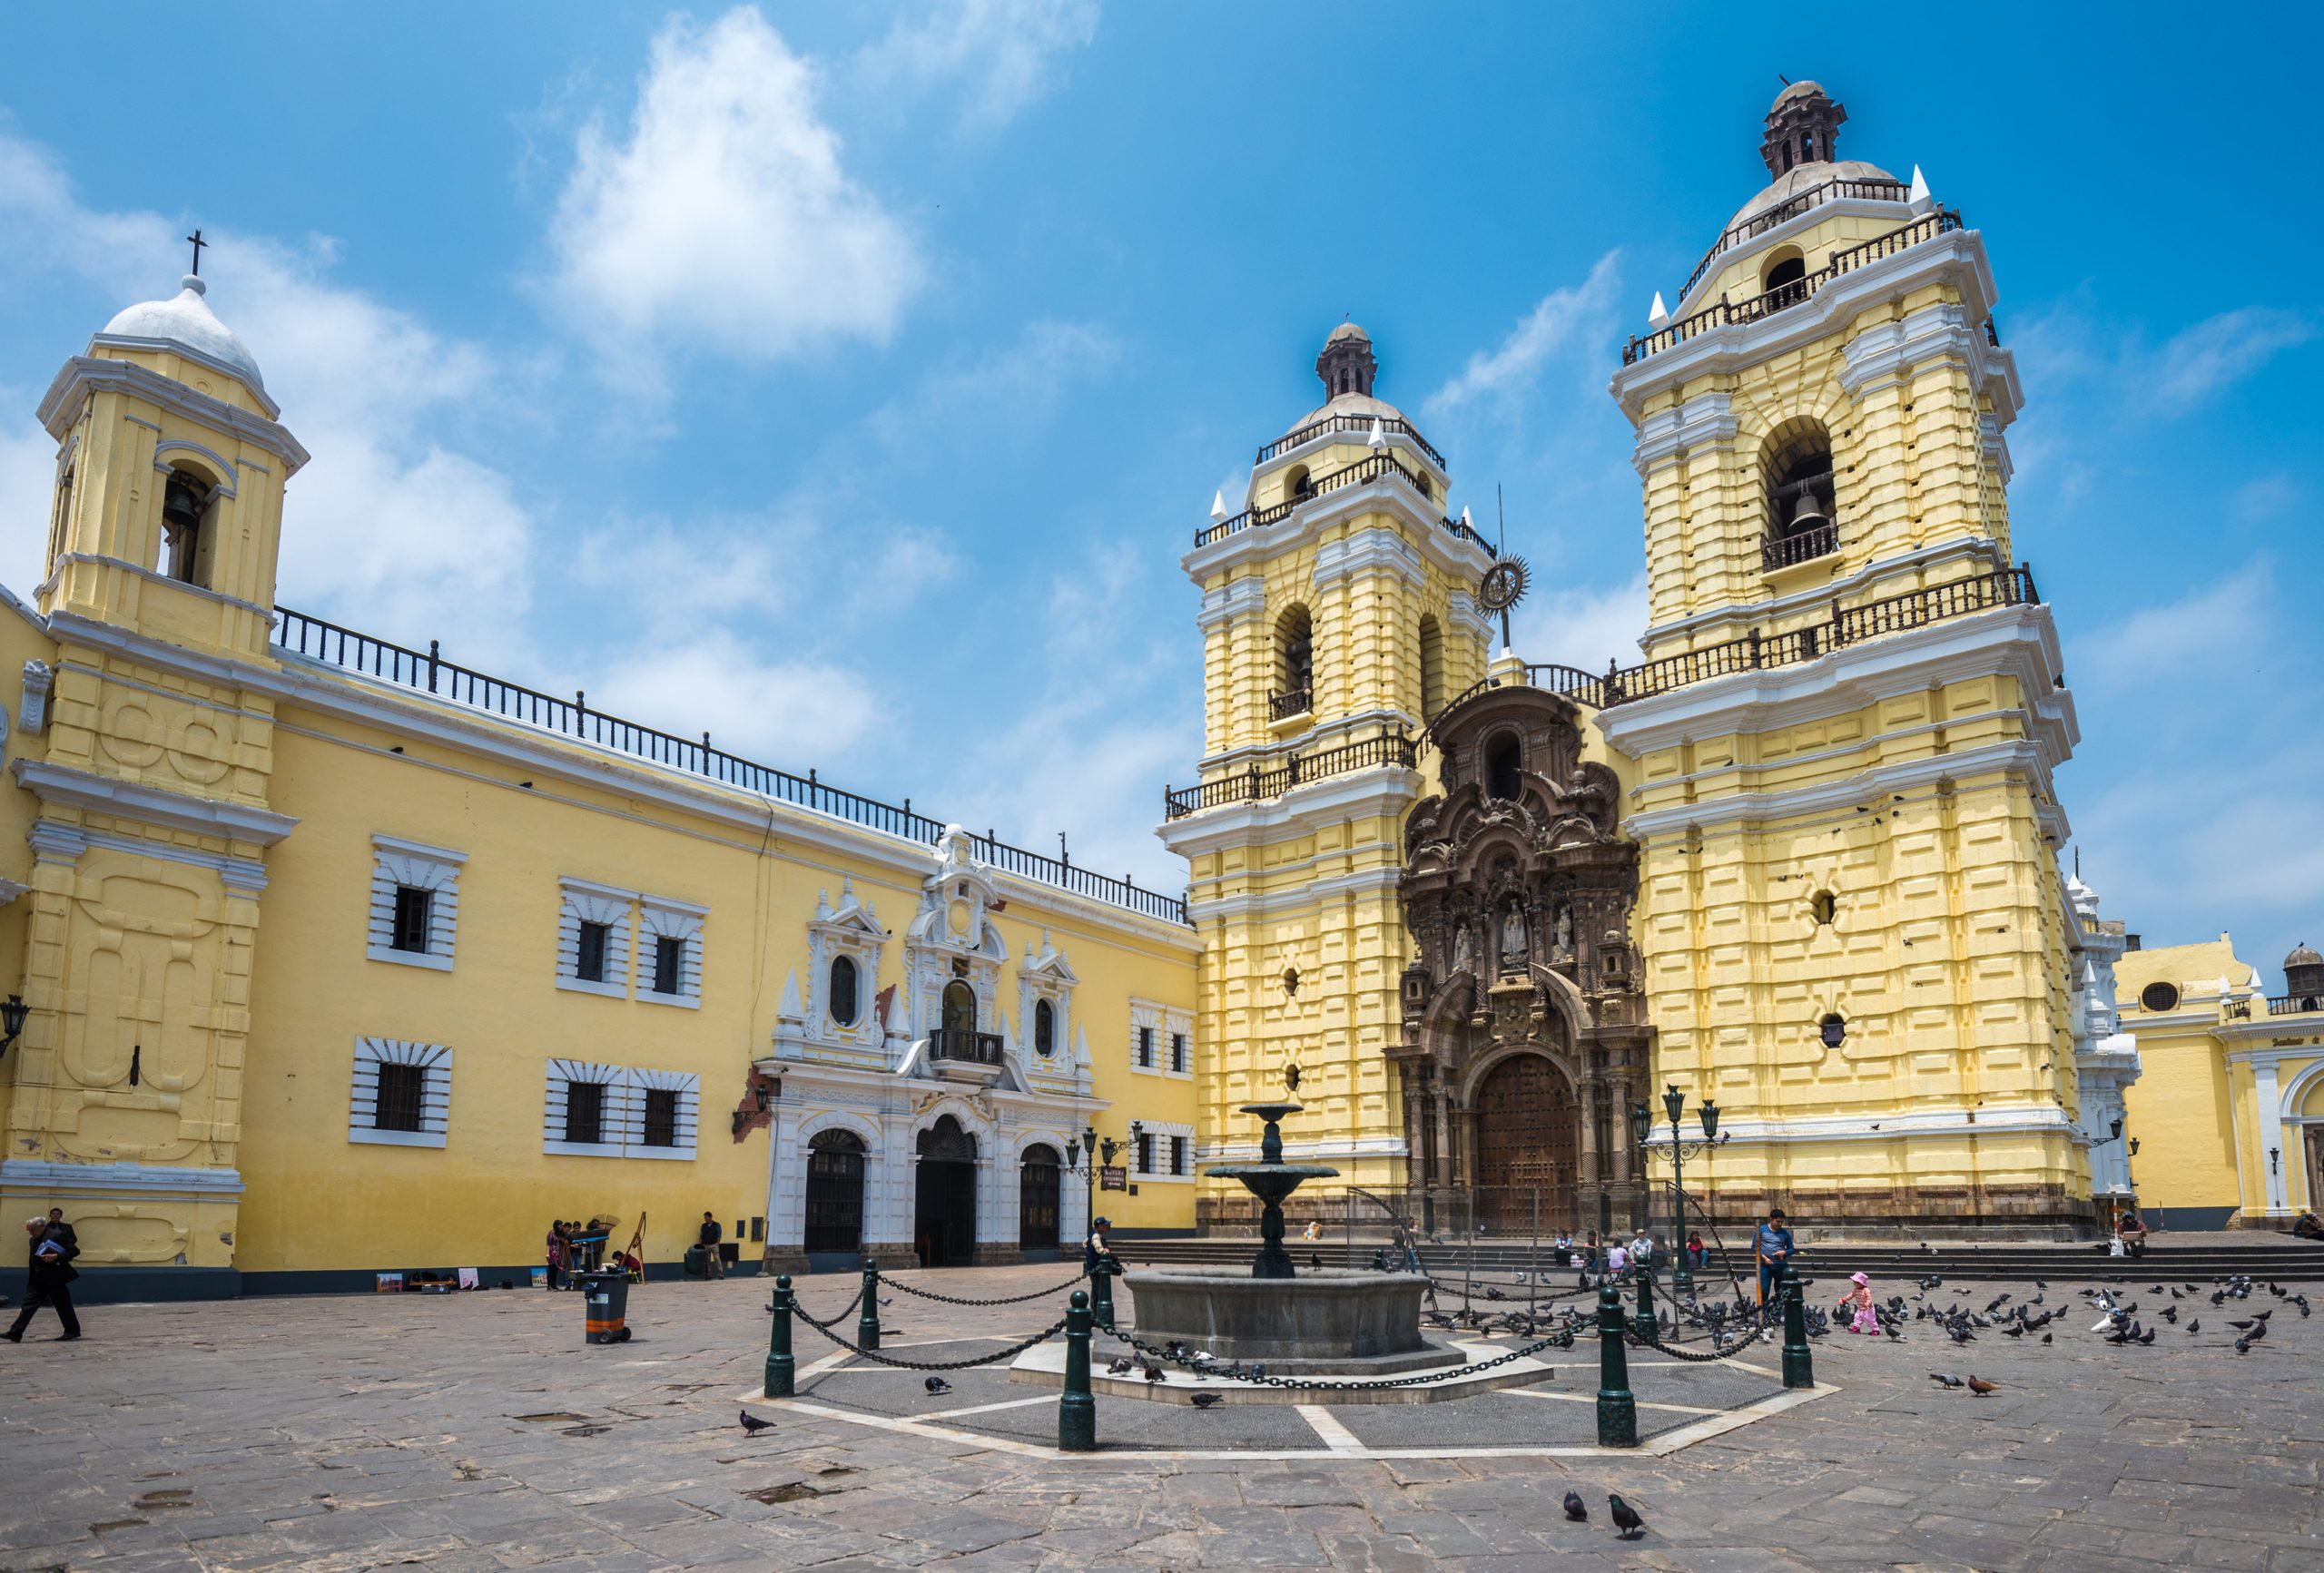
(1326, 734)
(200, 592)
(45, 1176)
(1400, 442)
(1787, 233)
(1242, 597)
(1457, 558)
(1374, 549)
(1706, 420)
(1849, 792)
(2018, 1120)
(150, 805)
(1918, 560)
(1888, 353)
(1957, 256)
(1387, 789)
(1300, 898)
(84, 375)
(2018, 642)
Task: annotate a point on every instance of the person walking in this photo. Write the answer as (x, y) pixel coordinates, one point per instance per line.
(712, 1265)
(1771, 1243)
(1099, 1245)
(62, 1232)
(1856, 1307)
(48, 1275)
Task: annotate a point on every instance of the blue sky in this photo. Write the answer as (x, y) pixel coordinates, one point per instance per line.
(847, 379)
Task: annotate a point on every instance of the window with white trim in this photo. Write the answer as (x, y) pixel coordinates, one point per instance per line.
(593, 938)
(1165, 1152)
(1179, 1025)
(610, 1111)
(415, 904)
(670, 958)
(402, 1092)
(1146, 1037)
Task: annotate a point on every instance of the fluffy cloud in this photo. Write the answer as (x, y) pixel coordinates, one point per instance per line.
(1581, 624)
(1561, 319)
(724, 222)
(2221, 351)
(714, 682)
(1004, 50)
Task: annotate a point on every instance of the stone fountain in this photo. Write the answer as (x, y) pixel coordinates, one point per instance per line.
(1328, 1321)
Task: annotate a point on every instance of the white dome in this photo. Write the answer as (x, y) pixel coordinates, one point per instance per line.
(186, 321)
(1805, 177)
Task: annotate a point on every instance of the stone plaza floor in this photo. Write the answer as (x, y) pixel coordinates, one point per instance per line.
(479, 1431)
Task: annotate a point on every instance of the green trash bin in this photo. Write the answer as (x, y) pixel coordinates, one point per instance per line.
(604, 1300)
(697, 1261)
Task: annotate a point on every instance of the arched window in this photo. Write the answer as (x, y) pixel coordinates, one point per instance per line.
(846, 991)
(1432, 666)
(960, 1008)
(1796, 462)
(1297, 484)
(185, 534)
(1044, 1029)
(1295, 659)
(1504, 767)
(1785, 280)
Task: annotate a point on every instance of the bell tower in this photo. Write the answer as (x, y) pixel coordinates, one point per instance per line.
(1843, 741)
(150, 762)
(1338, 616)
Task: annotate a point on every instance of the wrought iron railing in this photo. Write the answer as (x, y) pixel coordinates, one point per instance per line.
(1787, 551)
(2294, 1004)
(1282, 706)
(1756, 651)
(1257, 784)
(1790, 208)
(1377, 466)
(1349, 423)
(962, 1044)
(1725, 314)
(427, 672)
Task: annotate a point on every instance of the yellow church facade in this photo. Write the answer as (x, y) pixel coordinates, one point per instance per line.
(336, 957)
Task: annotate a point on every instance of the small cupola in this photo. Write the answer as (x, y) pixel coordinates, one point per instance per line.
(2304, 974)
(1346, 364)
(1803, 128)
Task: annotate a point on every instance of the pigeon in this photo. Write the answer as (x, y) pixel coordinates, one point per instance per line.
(1153, 1373)
(753, 1425)
(937, 1384)
(2258, 1332)
(1626, 1518)
(1205, 1400)
(2047, 1336)
(2242, 1346)
(2244, 1326)
(1980, 1386)
(1576, 1508)
(2195, 1324)
(1942, 1380)
(1120, 1368)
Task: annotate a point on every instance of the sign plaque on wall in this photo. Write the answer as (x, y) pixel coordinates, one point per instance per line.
(1111, 1178)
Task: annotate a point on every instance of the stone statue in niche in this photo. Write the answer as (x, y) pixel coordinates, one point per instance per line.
(1565, 933)
(1464, 957)
(1512, 939)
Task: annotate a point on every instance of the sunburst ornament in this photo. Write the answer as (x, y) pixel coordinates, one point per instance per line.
(1503, 587)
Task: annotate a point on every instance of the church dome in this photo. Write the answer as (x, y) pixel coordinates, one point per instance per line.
(2303, 957)
(185, 322)
(1347, 367)
(1800, 146)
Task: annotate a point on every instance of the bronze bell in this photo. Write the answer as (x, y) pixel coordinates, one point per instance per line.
(1809, 515)
(180, 505)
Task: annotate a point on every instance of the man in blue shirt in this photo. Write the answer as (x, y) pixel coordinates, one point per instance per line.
(1773, 1247)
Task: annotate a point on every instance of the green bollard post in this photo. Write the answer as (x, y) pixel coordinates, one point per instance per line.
(1077, 1411)
(1647, 1332)
(867, 1323)
(779, 1363)
(1798, 1360)
(1102, 1302)
(1617, 1409)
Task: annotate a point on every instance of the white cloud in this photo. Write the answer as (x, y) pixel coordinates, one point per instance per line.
(1580, 624)
(1561, 319)
(2198, 361)
(1006, 51)
(27, 489)
(723, 223)
(770, 710)
(1016, 388)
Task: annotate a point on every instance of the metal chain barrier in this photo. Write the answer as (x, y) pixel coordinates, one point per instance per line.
(835, 1315)
(1560, 1340)
(1718, 1350)
(955, 1299)
(1052, 1331)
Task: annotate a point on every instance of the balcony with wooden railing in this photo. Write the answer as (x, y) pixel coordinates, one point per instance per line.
(1259, 784)
(1284, 706)
(1350, 424)
(964, 1046)
(1725, 314)
(1779, 551)
(1378, 467)
(1790, 208)
(2294, 1004)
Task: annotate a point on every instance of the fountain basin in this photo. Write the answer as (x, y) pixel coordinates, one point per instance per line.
(1322, 1323)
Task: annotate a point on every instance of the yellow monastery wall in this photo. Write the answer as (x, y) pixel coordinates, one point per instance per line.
(2181, 1110)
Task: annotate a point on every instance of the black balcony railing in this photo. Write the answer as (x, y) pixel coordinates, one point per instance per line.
(1359, 423)
(2294, 1004)
(1257, 784)
(428, 671)
(1282, 706)
(1801, 546)
(1790, 208)
(965, 1046)
(1378, 467)
(1725, 314)
(1756, 651)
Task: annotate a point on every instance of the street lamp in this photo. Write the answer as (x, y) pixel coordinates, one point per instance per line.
(1674, 1104)
(12, 1018)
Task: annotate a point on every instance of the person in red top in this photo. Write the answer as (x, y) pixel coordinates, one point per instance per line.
(2132, 1230)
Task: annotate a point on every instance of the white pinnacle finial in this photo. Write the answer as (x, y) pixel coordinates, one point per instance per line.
(1918, 197)
(1218, 506)
(1465, 522)
(1378, 440)
(1658, 315)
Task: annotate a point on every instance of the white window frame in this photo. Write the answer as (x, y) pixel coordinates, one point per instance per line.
(435, 1100)
(1177, 1024)
(562, 1074)
(667, 918)
(1145, 1013)
(688, 1086)
(585, 901)
(396, 862)
(1161, 1131)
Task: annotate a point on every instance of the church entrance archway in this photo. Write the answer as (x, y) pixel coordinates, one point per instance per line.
(834, 1193)
(945, 1207)
(1037, 1199)
(1528, 1139)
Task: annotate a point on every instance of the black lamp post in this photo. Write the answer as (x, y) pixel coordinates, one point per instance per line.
(1674, 1104)
(12, 1012)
